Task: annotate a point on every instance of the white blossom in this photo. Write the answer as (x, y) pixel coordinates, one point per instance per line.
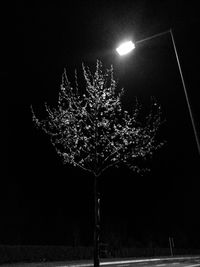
(92, 131)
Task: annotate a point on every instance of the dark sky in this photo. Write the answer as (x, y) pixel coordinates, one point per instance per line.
(48, 203)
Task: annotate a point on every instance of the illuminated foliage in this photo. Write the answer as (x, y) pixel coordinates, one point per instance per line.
(92, 131)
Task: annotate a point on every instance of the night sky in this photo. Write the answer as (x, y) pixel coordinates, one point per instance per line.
(45, 202)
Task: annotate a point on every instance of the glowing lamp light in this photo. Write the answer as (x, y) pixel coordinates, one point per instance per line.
(125, 48)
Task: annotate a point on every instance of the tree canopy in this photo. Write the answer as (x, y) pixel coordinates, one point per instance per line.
(92, 131)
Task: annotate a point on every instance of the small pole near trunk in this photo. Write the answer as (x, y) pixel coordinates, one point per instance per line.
(171, 244)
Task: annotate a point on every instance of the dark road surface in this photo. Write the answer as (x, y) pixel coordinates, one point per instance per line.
(189, 261)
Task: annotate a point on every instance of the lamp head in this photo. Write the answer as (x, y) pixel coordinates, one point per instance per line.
(125, 48)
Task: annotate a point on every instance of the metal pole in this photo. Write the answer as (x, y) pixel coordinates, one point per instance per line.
(170, 245)
(96, 223)
(182, 79)
(185, 91)
(152, 37)
(173, 246)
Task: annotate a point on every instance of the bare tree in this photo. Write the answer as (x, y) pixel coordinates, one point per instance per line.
(93, 132)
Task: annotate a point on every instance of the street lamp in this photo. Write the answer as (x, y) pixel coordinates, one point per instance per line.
(128, 46)
(125, 48)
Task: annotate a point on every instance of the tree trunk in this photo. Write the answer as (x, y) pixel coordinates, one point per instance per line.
(96, 222)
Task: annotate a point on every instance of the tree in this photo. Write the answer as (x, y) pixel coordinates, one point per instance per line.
(93, 132)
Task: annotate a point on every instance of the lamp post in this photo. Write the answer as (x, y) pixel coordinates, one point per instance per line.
(127, 47)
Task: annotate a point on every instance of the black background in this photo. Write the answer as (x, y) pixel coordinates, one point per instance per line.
(44, 202)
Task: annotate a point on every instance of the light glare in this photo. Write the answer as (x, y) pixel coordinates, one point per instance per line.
(125, 48)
